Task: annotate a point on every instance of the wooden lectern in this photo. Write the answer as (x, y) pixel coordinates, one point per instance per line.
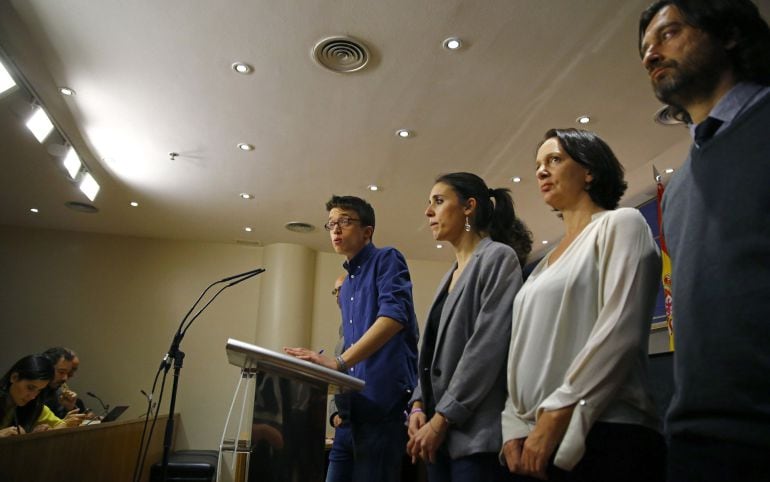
(281, 436)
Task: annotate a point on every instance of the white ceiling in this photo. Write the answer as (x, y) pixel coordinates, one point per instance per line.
(154, 77)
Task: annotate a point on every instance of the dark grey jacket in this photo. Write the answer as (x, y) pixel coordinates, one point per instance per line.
(467, 371)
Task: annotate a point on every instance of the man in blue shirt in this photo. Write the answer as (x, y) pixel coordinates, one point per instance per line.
(380, 332)
(709, 60)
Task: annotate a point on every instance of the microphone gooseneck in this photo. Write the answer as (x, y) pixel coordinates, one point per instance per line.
(106, 408)
(174, 357)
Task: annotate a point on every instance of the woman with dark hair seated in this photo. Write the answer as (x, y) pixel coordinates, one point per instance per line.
(454, 424)
(578, 406)
(21, 409)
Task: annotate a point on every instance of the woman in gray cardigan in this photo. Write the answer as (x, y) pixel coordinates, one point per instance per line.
(454, 423)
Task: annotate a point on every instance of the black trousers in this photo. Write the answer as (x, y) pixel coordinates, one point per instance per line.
(705, 459)
(615, 452)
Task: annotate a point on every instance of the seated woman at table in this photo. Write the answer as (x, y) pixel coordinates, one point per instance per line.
(578, 404)
(21, 409)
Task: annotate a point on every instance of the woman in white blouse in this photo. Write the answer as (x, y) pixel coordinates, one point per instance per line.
(578, 406)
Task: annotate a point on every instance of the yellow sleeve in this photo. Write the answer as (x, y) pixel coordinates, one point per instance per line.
(47, 417)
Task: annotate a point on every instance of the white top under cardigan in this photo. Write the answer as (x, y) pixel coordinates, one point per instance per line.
(580, 332)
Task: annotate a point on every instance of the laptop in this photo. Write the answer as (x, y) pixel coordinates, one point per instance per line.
(114, 413)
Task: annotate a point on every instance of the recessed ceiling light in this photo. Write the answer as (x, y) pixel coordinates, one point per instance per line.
(545, 241)
(134, 204)
(40, 125)
(242, 68)
(515, 179)
(245, 147)
(439, 246)
(66, 91)
(6, 81)
(89, 186)
(247, 229)
(404, 133)
(583, 119)
(34, 210)
(669, 170)
(373, 187)
(452, 43)
(72, 163)
(245, 195)
(299, 227)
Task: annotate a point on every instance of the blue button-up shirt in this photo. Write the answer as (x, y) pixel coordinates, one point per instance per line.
(378, 284)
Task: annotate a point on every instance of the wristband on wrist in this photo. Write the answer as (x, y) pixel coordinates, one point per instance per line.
(341, 365)
(415, 410)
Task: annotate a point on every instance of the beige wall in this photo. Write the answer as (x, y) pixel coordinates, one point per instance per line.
(117, 301)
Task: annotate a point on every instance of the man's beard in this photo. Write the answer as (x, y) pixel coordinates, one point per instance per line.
(692, 79)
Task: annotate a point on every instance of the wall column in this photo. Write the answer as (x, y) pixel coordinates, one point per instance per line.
(286, 297)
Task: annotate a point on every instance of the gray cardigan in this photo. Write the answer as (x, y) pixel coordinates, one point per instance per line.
(468, 368)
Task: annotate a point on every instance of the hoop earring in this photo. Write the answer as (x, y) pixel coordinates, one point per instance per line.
(467, 225)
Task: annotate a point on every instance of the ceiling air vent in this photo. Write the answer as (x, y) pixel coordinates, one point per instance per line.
(341, 54)
(248, 242)
(82, 207)
(670, 116)
(299, 227)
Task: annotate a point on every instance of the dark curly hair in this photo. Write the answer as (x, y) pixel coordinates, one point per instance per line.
(727, 21)
(56, 353)
(363, 209)
(590, 151)
(498, 218)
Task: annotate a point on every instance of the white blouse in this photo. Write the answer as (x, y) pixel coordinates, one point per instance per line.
(580, 332)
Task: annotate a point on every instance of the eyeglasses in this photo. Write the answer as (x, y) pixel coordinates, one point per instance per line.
(342, 222)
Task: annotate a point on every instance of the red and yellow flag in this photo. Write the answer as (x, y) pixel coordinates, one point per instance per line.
(666, 272)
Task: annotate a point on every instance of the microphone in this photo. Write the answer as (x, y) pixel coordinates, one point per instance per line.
(150, 404)
(106, 408)
(246, 275)
(185, 325)
(177, 356)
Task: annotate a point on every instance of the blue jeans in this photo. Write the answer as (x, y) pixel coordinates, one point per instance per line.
(370, 452)
(341, 455)
(472, 468)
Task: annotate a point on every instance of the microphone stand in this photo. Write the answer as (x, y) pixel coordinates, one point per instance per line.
(105, 408)
(176, 356)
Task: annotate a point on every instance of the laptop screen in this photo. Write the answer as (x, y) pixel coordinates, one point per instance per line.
(115, 413)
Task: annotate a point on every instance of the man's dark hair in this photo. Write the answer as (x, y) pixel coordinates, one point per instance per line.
(726, 21)
(590, 151)
(57, 353)
(363, 209)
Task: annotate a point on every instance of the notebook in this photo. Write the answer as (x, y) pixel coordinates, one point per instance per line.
(115, 413)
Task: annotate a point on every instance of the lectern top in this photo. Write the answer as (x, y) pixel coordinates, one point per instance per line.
(246, 355)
